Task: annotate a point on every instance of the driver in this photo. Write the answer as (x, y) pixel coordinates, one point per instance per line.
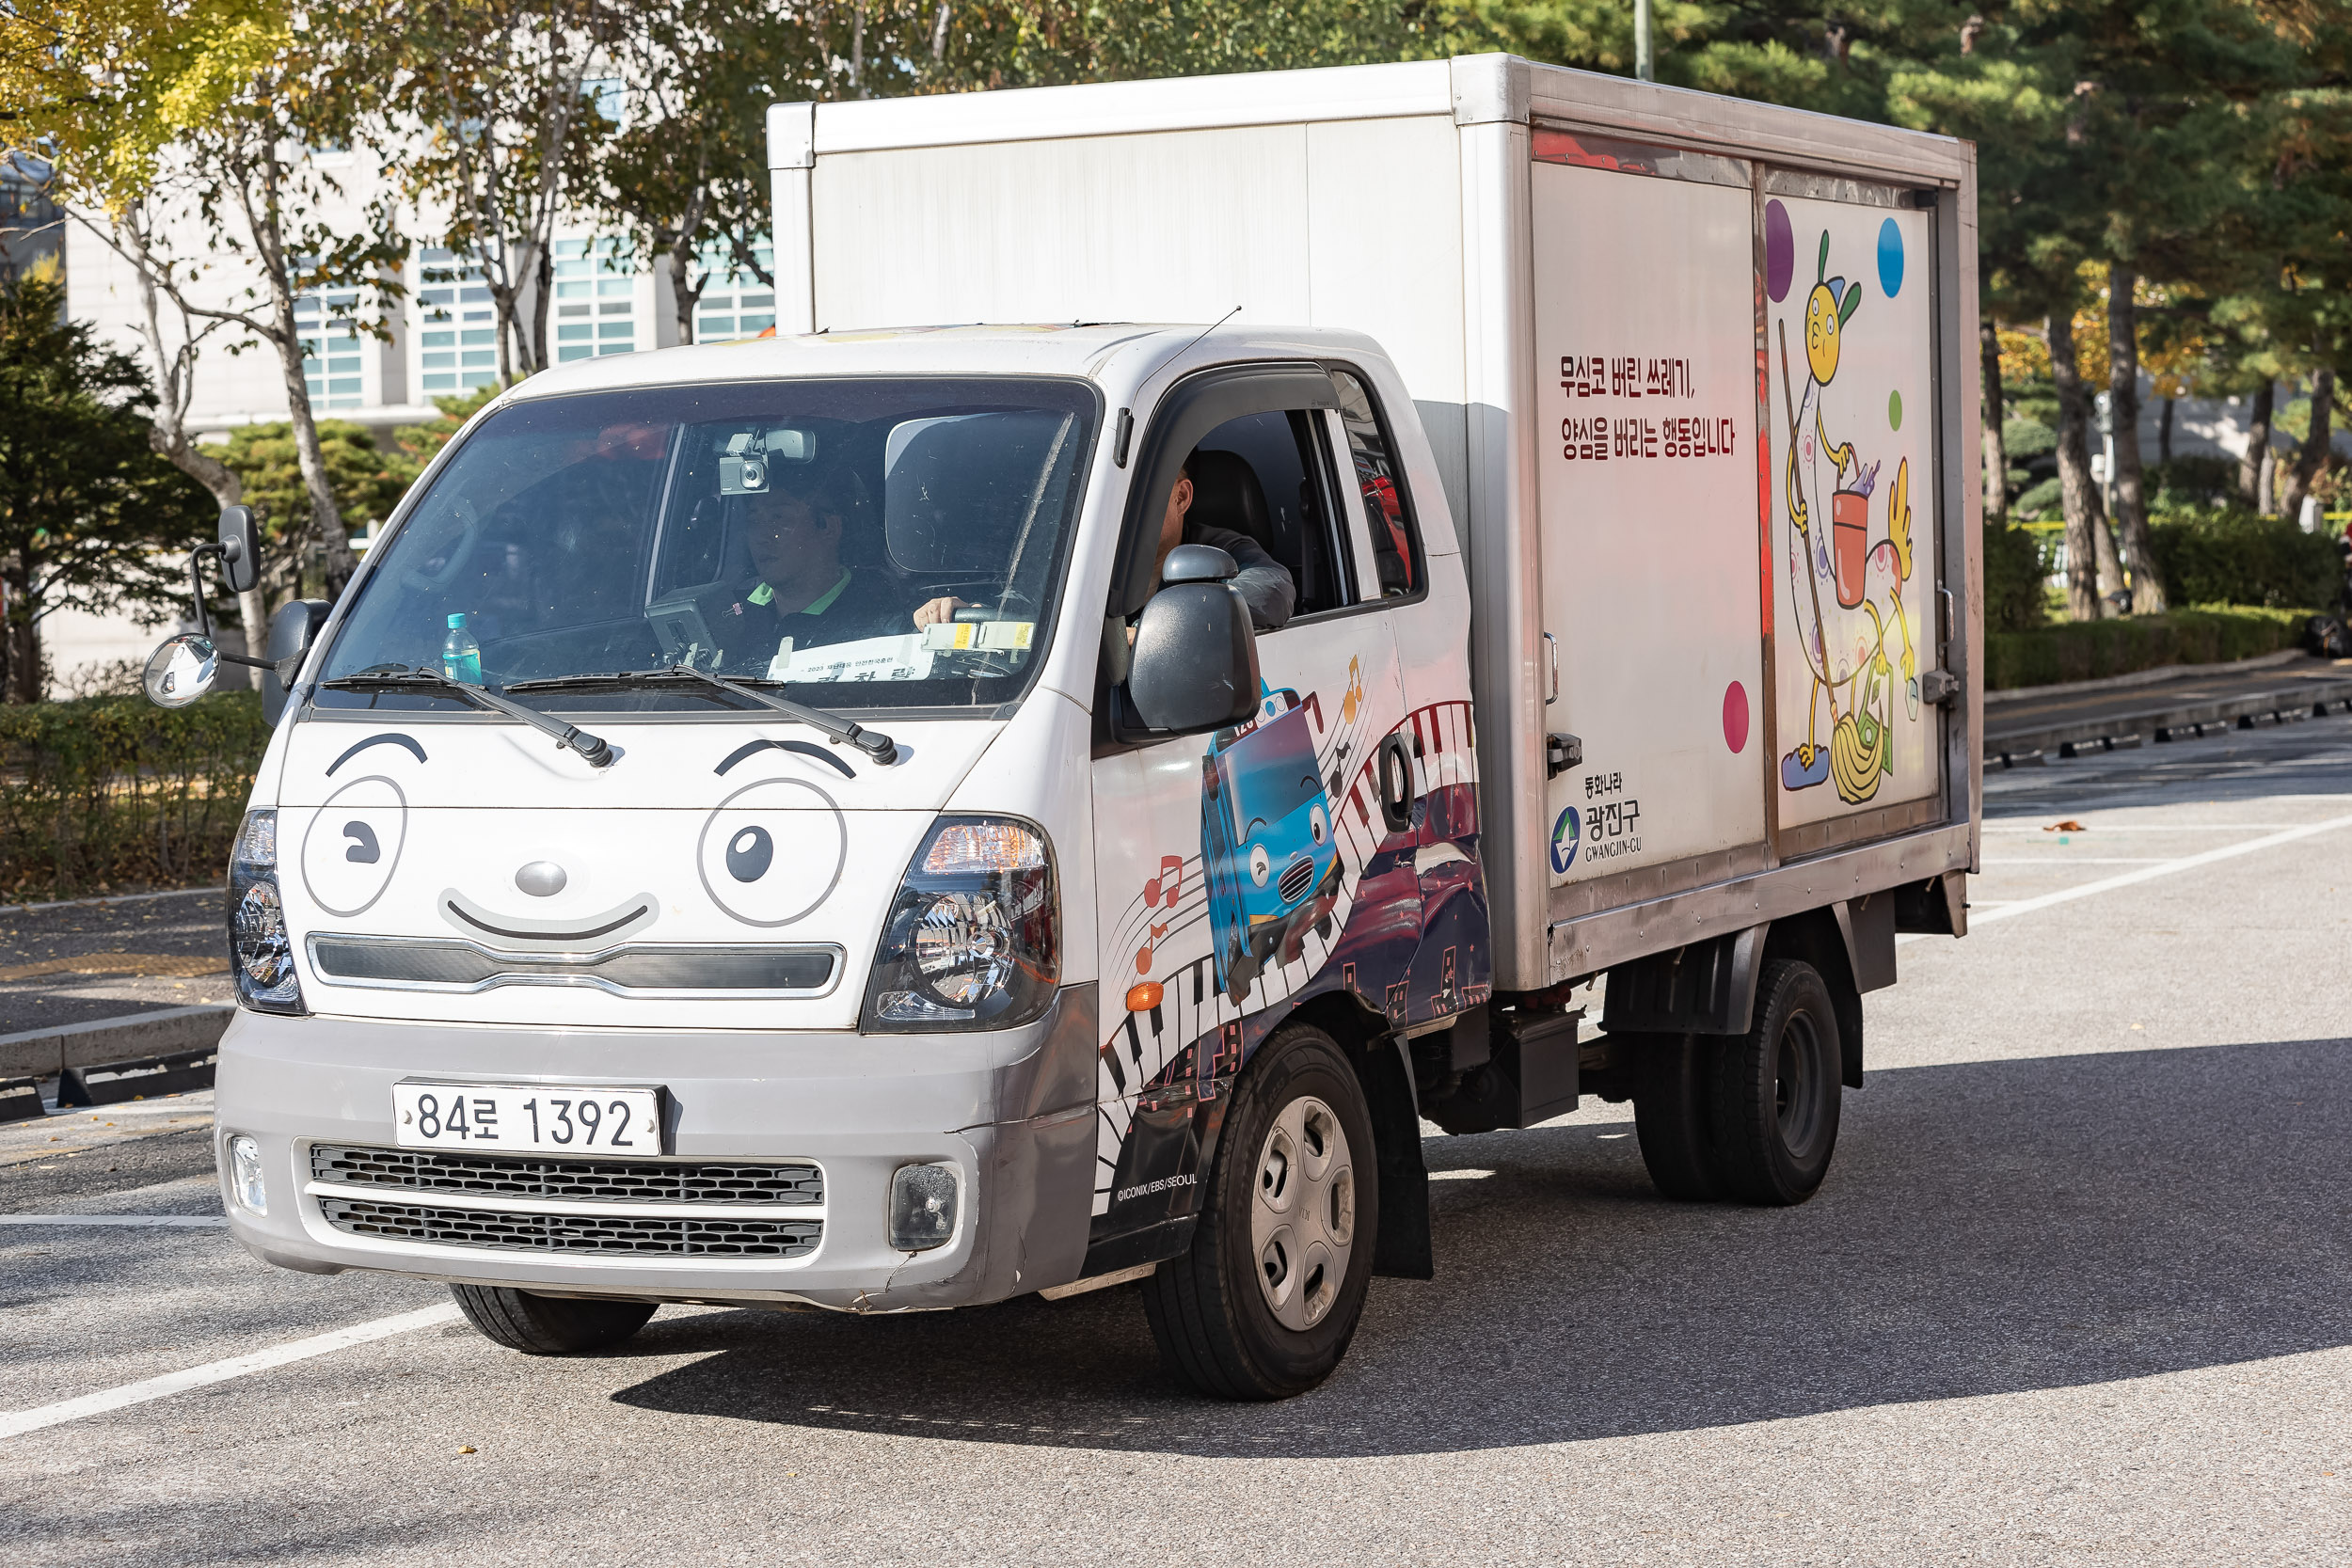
(805, 591)
(1263, 583)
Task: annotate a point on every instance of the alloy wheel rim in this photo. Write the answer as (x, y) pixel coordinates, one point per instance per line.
(1302, 1213)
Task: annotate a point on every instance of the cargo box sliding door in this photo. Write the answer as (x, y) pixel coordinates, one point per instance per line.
(1647, 486)
(1850, 352)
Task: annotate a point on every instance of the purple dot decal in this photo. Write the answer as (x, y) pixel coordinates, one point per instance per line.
(1780, 255)
(1736, 718)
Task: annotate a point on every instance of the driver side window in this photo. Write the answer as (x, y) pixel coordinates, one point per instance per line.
(1265, 476)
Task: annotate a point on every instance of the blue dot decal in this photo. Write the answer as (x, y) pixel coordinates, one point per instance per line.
(1890, 258)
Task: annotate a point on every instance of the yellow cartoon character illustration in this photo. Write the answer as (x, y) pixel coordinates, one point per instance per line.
(1844, 631)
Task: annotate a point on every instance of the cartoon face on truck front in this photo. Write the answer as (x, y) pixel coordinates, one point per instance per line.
(1265, 838)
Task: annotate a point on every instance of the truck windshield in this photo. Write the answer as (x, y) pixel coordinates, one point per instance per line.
(863, 543)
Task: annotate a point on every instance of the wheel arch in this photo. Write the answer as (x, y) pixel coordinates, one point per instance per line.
(1401, 1249)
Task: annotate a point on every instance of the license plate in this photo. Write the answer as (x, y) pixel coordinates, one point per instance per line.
(540, 1119)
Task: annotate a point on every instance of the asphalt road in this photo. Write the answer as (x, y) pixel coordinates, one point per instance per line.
(2074, 1292)
(77, 963)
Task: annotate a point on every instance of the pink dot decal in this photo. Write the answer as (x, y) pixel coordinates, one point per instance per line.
(1736, 717)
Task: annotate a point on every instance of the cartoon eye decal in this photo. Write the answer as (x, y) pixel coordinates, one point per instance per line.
(352, 846)
(1260, 864)
(736, 854)
(750, 853)
(1317, 826)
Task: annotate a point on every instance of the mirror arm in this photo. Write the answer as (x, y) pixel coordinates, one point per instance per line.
(204, 616)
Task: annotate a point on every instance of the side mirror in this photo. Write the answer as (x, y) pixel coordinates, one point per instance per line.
(292, 631)
(1199, 563)
(182, 670)
(240, 549)
(1195, 663)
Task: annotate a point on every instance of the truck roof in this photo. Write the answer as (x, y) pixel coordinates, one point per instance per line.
(1068, 349)
(1468, 89)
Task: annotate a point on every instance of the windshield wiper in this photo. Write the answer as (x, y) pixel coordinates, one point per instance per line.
(594, 751)
(872, 743)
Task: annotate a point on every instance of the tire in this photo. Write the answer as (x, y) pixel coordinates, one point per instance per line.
(1262, 1305)
(1673, 1115)
(548, 1325)
(1776, 1091)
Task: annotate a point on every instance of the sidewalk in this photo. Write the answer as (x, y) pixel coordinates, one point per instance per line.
(66, 964)
(2151, 705)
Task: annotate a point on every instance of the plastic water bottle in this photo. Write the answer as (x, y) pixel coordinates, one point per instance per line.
(461, 656)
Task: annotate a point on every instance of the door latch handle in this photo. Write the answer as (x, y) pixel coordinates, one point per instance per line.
(1552, 654)
(1562, 753)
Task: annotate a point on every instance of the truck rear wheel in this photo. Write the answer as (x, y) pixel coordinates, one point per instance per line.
(1775, 1091)
(1674, 1114)
(1262, 1305)
(548, 1325)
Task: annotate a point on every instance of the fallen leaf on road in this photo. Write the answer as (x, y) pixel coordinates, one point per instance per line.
(2069, 826)
(466, 1450)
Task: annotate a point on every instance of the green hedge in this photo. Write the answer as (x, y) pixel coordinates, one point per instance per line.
(112, 793)
(2231, 555)
(2016, 574)
(2087, 650)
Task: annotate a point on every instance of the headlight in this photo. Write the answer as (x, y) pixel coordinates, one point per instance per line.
(261, 949)
(972, 940)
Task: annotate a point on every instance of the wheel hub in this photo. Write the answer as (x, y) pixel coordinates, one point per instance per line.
(1302, 1216)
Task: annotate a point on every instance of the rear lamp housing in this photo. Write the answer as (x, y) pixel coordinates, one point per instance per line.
(973, 939)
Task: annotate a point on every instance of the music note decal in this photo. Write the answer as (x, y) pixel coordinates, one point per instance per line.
(1161, 892)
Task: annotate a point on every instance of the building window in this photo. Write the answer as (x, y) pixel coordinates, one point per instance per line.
(325, 323)
(454, 313)
(735, 305)
(593, 276)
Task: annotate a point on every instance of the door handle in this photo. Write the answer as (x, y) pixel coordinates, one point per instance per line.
(1551, 652)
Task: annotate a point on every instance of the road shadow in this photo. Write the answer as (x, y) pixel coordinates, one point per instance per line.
(1987, 1228)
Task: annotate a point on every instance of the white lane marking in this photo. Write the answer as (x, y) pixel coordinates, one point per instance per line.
(202, 1222)
(2081, 860)
(18, 1422)
(1992, 829)
(2163, 868)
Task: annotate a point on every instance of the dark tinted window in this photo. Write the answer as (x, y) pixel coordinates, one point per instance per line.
(1387, 506)
(1263, 475)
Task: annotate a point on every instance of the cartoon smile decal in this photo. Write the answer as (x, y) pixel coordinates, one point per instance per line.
(624, 919)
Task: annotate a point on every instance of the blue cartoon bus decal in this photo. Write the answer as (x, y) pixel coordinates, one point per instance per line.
(1266, 843)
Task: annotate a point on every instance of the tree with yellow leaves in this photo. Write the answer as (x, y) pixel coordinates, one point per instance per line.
(149, 109)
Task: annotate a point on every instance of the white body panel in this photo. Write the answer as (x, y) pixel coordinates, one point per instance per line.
(1417, 206)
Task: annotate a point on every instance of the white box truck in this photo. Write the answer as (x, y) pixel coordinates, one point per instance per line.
(990, 791)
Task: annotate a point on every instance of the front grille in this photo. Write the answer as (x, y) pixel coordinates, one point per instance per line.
(1296, 877)
(440, 965)
(701, 1236)
(526, 1175)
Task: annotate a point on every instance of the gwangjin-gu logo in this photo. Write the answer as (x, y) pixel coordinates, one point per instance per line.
(1565, 834)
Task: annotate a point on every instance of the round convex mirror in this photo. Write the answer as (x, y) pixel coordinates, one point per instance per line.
(182, 670)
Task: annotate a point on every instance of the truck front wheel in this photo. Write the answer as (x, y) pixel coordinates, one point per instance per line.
(548, 1325)
(1262, 1305)
(1775, 1099)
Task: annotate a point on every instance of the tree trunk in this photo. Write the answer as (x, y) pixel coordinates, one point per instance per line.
(2130, 509)
(2164, 434)
(20, 637)
(2249, 467)
(2086, 519)
(682, 297)
(1995, 453)
(542, 290)
(2314, 457)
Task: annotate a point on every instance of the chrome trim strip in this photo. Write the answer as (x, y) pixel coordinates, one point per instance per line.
(573, 968)
(430, 1197)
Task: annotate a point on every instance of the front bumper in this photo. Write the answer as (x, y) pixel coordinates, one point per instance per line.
(1013, 1113)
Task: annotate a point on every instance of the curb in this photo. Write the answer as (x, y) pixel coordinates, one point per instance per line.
(47, 1053)
(2280, 706)
(20, 1099)
(118, 1082)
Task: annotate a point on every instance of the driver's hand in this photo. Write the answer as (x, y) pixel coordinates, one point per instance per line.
(938, 611)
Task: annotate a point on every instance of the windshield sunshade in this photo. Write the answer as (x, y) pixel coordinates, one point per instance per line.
(861, 544)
